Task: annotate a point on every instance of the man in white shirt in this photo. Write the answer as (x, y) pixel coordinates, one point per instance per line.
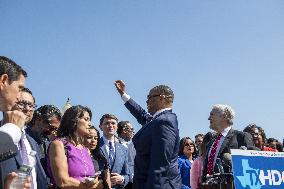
(26, 104)
(12, 81)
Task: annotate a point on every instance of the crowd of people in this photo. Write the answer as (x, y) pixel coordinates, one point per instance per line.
(72, 153)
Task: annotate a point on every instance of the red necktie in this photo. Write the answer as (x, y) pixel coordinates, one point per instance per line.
(212, 155)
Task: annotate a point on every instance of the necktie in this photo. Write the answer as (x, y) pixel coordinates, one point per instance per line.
(24, 154)
(111, 153)
(23, 151)
(210, 166)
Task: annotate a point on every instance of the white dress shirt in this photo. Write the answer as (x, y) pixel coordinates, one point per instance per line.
(106, 141)
(29, 149)
(224, 134)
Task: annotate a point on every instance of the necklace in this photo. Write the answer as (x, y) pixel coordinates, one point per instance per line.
(86, 167)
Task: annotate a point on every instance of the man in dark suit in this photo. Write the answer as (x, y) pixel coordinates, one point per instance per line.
(26, 104)
(221, 120)
(12, 81)
(157, 142)
(115, 153)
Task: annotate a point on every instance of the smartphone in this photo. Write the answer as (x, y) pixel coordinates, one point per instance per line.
(93, 178)
(98, 173)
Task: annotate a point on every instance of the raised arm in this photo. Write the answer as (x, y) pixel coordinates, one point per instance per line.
(135, 109)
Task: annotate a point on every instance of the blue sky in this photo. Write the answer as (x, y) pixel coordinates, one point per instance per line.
(208, 51)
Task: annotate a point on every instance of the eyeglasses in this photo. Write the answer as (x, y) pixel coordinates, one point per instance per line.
(24, 104)
(152, 96)
(128, 129)
(188, 144)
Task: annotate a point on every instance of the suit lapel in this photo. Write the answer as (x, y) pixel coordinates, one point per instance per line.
(226, 141)
(103, 148)
(18, 159)
(38, 163)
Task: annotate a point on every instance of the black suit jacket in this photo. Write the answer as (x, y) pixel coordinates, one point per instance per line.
(234, 140)
(157, 145)
(13, 164)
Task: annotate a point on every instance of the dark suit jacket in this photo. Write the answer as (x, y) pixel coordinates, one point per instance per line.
(156, 144)
(120, 164)
(7, 147)
(13, 164)
(234, 140)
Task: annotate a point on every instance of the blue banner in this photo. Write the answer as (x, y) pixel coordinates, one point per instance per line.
(258, 169)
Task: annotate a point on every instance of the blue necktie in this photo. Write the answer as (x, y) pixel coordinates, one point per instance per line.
(111, 153)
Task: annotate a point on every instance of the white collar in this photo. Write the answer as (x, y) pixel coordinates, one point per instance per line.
(160, 111)
(226, 131)
(106, 141)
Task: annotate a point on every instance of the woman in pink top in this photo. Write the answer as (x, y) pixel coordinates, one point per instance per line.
(197, 165)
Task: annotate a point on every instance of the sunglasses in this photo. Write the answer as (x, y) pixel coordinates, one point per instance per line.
(128, 129)
(188, 144)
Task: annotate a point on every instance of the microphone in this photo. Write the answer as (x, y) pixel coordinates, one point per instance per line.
(220, 166)
(243, 148)
(227, 160)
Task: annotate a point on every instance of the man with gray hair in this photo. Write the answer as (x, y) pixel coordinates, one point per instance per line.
(221, 120)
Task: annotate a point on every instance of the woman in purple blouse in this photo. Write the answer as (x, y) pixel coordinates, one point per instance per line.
(69, 162)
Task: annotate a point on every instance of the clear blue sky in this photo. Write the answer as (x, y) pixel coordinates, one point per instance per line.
(209, 52)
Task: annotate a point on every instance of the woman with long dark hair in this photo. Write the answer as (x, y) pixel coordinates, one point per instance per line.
(99, 160)
(69, 161)
(187, 153)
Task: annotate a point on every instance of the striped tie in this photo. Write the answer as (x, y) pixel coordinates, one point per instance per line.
(210, 166)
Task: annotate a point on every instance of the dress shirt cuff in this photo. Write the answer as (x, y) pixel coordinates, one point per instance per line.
(13, 131)
(125, 97)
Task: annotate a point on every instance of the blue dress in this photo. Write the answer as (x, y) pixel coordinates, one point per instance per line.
(184, 167)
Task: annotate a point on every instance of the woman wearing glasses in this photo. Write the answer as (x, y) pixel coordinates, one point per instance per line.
(187, 153)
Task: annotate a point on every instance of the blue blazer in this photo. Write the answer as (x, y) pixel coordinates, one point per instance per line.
(157, 145)
(13, 164)
(7, 147)
(184, 166)
(120, 164)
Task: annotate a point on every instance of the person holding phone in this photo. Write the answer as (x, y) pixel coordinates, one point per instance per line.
(100, 162)
(69, 162)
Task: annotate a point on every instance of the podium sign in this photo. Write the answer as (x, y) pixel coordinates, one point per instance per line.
(258, 169)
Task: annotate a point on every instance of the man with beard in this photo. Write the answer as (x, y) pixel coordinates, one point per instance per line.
(43, 128)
